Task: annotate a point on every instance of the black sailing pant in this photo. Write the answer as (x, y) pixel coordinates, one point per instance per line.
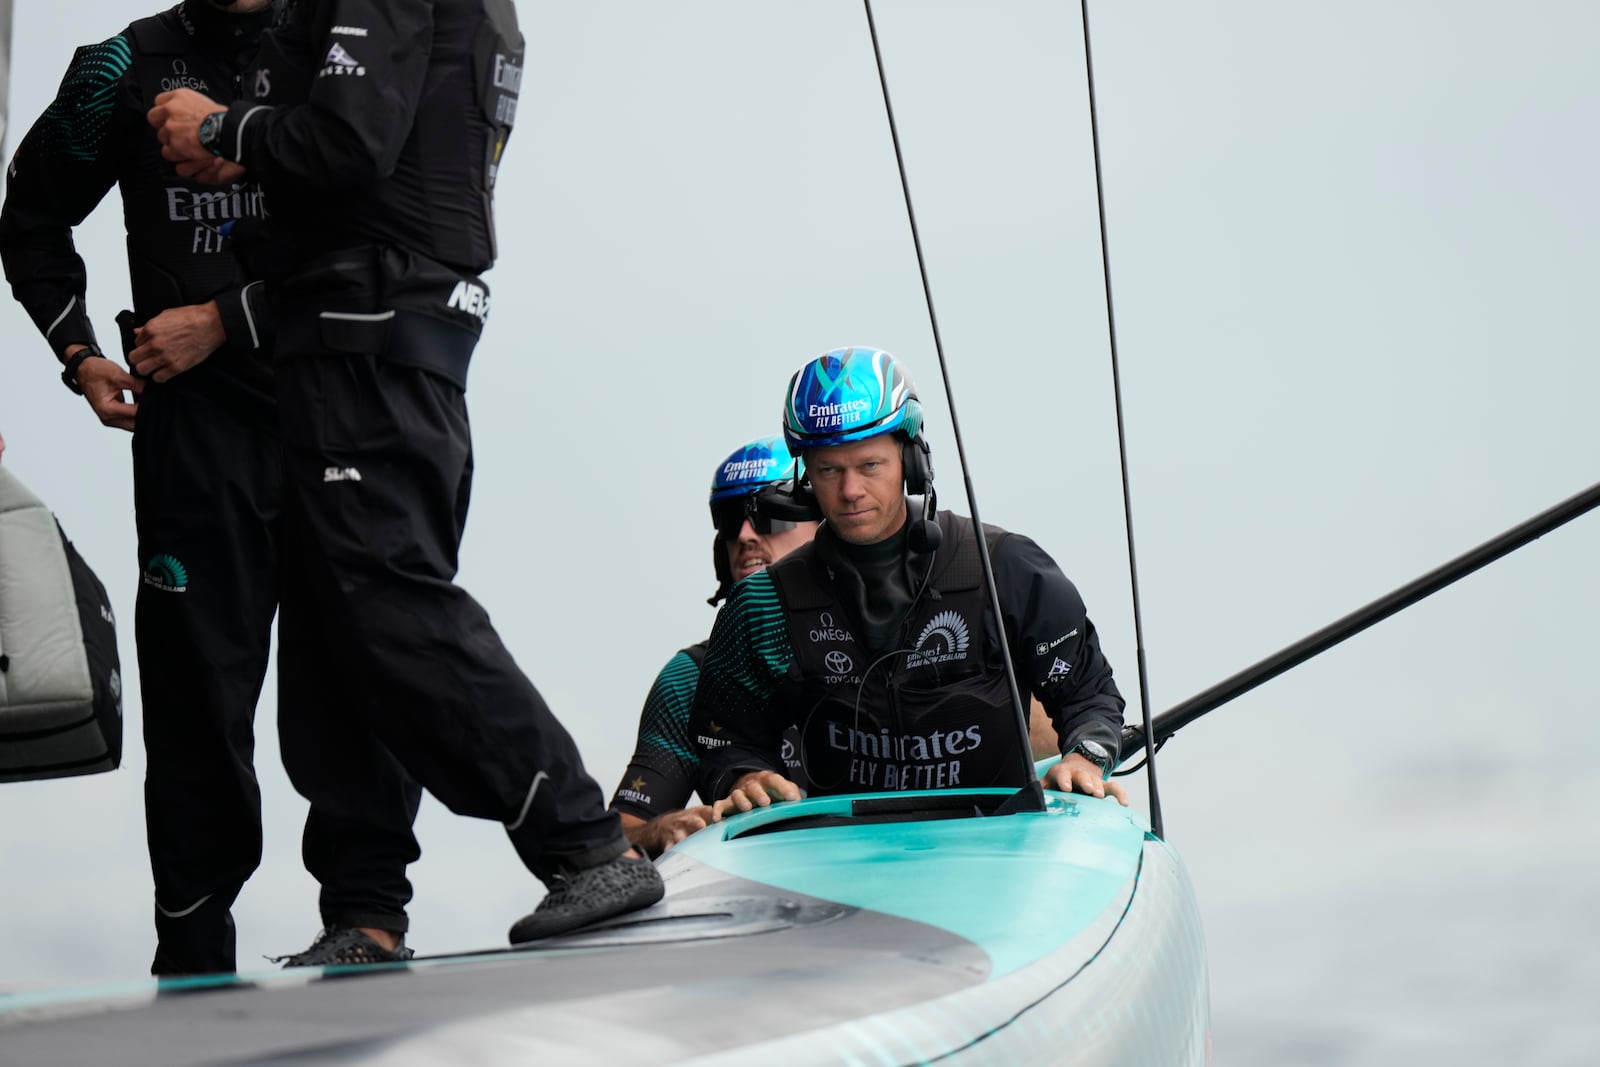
(384, 662)
(206, 478)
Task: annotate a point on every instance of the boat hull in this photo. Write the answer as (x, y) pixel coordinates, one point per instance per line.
(807, 931)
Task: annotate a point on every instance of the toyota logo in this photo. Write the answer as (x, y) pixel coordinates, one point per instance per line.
(839, 663)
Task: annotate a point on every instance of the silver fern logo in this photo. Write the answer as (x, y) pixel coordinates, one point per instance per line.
(943, 640)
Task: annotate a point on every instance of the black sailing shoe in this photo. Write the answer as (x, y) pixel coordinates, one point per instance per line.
(578, 898)
(337, 945)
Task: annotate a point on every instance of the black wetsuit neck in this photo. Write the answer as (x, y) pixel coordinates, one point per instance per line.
(874, 581)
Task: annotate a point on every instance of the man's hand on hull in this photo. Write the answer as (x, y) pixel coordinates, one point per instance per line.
(758, 789)
(1077, 774)
(657, 835)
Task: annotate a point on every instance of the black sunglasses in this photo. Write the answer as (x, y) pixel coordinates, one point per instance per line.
(729, 516)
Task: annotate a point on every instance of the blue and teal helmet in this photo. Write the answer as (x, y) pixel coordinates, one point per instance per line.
(756, 484)
(849, 394)
(763, 462)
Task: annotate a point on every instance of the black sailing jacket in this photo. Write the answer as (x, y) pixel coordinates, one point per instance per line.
(382, 123)
(94, 135)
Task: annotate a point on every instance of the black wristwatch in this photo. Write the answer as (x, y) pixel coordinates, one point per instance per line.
(1094, 752)
(69, 371)
(211, 131)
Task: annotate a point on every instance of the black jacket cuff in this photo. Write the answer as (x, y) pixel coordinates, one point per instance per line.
(245, 321)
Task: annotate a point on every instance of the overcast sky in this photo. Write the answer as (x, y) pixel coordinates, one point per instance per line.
(1354, 255)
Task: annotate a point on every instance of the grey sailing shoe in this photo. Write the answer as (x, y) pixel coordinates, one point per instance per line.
(578, 898)
(344, 945)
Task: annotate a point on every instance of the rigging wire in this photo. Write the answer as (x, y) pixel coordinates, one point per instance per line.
(1032, 795)
(1122, 440)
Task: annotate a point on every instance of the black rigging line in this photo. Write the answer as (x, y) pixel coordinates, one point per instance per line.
(1174, 719)
(1122, 440)
(1031, 797)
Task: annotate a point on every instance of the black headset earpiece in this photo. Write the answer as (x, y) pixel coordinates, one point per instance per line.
(719, 559)
(792, 501)
(916, 459)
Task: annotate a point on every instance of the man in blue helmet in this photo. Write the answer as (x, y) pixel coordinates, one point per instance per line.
(758, 521)
(877, 638)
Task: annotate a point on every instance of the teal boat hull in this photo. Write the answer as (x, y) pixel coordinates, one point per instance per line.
(890, 929)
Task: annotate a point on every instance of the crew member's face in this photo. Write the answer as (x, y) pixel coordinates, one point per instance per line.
(860, 488)
(752, 551)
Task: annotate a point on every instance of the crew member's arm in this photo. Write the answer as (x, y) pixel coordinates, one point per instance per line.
(350, 130)
(1057, 657)
(653, 797)
(181, 338)
(64, 166)
(734, 722)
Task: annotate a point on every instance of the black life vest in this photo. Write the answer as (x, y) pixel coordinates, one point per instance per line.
(451, 155)
(935, 713)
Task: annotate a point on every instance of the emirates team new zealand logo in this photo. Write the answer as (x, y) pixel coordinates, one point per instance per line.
(943, 640)
(164, 572)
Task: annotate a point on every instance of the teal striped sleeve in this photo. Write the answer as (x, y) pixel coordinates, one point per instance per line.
(78, 120)
(65, 165)
(661, 775)
(736, 721)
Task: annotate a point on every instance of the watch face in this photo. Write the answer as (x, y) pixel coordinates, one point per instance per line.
(1094, 750)
(210, 127)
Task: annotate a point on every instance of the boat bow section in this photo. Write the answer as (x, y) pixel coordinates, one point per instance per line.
(905, 929)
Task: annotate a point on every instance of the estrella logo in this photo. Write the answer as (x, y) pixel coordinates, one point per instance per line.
(164, 572)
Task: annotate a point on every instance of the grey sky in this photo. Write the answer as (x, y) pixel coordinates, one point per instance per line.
(1354, 249)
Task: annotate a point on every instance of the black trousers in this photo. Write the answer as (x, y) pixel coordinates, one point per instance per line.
(206, 493)
(384, 663)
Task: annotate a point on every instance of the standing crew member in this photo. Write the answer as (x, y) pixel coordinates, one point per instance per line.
(758, 522)
(206, 467)
(378, 132)
(877, 639)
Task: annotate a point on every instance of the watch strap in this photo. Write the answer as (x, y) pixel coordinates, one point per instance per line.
(1102, 759)
(69, 370)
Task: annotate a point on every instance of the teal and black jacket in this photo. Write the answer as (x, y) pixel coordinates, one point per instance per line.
(930, 711)
(95, 135)
(661, 775)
